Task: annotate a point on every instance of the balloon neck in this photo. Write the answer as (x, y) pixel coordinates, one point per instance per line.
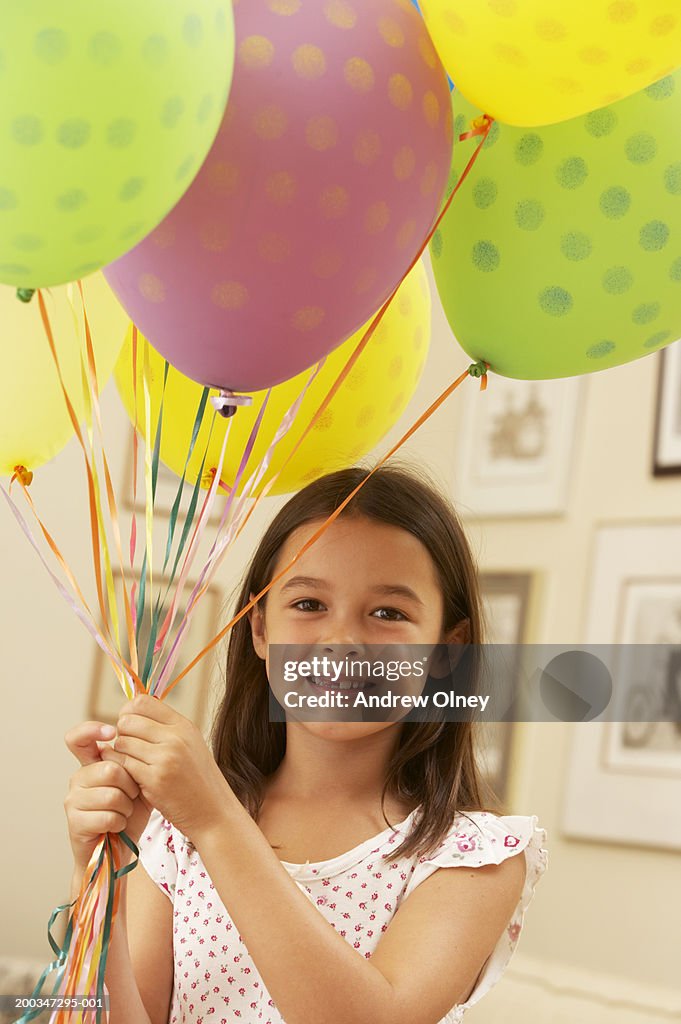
(479, 126)
(25, 294)
(226, 402)
(478, 369)
(23, 475)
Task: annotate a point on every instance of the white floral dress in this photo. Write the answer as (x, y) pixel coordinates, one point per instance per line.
(215, 979)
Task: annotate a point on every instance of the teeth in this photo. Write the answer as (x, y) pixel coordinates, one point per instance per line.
(344, 684)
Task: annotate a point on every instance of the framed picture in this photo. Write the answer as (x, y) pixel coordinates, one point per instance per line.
(623, 776)
(667, 446)
(505, 598)
(191, 696)
(515, 451)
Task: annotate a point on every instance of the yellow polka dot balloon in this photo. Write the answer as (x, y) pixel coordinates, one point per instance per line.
(369, 401)
(324, 180)
(34, 419)
(526, 62)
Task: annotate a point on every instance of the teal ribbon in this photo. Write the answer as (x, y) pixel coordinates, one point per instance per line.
(157, 613)
(60, 963)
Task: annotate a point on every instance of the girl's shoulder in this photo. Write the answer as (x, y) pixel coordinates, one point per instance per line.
(477, 838)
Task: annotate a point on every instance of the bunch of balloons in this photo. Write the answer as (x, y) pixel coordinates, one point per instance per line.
(258, 183)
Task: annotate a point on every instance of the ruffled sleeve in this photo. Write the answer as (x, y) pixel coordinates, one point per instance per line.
(157, 853)
(478, 838)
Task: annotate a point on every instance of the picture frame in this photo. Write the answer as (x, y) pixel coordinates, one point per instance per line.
(667, 437)
(505, 597)
(630, 771)
(191, 696)
(515, 451)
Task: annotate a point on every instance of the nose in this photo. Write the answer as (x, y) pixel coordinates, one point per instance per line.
(341, 644)
(341, 648)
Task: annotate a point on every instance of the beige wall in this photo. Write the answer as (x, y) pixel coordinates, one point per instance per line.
(601, 907)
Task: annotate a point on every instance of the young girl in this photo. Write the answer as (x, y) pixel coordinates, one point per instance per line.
(293, 874)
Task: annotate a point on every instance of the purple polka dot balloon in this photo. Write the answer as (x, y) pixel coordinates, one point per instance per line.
(324, 180)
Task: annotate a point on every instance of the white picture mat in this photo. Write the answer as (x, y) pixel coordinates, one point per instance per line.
(515, 451)
(650, 614)
(603, 803)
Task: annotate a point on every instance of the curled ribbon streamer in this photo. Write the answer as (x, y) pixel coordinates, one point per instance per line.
(87, 621)
(135, 445)
(170, 660)
(108, 570)
(94, 529)
(221, 545)
(189, 519)
(483, 131)
(111, 497)
(198, 533)
(150, 483)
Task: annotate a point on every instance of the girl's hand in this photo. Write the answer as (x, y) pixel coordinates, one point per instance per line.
(102, 796)
(168, 758)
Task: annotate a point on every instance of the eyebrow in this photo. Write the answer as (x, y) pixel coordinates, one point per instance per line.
(388, 589)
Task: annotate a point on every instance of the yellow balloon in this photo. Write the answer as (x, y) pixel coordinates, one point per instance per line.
(34, 421)
(367, 404)
(526, 62)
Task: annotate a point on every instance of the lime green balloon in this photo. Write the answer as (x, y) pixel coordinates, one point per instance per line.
(107, 111)
(561, 253)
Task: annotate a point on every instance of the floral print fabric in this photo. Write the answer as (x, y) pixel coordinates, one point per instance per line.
(358, 892)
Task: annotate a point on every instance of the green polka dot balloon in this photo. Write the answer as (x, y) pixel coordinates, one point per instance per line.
(561, 253)
(107, 112)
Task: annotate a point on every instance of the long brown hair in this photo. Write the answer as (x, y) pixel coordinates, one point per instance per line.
(433, 765)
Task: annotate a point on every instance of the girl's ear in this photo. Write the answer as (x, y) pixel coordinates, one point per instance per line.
(256, 619)
(461, 634)
(445, 657)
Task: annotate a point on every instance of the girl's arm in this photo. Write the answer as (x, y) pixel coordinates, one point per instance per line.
(139, 994)
(426, 962)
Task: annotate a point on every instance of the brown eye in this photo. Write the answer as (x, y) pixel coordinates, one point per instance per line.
(306, 600)
(393, 612)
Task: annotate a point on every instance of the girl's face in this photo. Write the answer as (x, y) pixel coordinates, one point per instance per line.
(362, 582)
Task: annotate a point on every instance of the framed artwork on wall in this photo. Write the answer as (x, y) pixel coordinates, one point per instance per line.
(667, 445)
(506, 597)
(191, 696)
(515, 450)
(623, 776)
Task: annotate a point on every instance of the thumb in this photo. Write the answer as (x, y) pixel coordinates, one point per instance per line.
(83, 740)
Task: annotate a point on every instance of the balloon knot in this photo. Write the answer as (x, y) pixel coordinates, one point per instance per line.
(480, 369)
(209, 476)
(226, 402)
(25, 294)
(23, 475)
(479, 126)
